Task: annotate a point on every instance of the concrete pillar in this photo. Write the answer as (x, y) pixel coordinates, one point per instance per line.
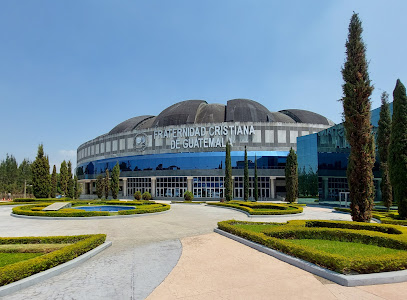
(233, 187)
(124, 187)
(153, 182)
(273, 187)
(189, 183)
(325, 188)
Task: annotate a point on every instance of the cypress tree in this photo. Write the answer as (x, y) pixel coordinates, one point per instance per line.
(256, 180)
(356, 104)
(100, 186)
(106, 184)
(383, 142)
(398, 149)
(63, 171)
(77, 188)
(291, 177)
(246, 176)
(228, 174)
(53, 182)
(114, 185)
(40, 173)
(71, 183)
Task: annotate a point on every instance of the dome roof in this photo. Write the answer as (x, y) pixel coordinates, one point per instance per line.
(129, 125)
(245, 110)
(179, 113)
(305, 116)
(210, 113)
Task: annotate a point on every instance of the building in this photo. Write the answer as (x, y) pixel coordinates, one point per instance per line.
(183, 148)
(327, 153)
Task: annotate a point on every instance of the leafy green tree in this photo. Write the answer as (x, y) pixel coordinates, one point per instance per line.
(114, 186)
(228, 174)
(53, 182)
(356, 104)
(9, 174)
(25, 176)
(256, 180)
(383, 142)
(40, 173)
(71, 183)
(106, 184)
(63, 171)
(246, 176)
(398, 149)
(100, 186)
(291, 177)
(77, 187)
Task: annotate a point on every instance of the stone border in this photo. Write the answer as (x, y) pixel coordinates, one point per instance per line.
(88, 218)
(256, 216)
(44, 275)
(345, 280)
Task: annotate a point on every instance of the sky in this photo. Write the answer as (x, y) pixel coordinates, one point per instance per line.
(72, 70)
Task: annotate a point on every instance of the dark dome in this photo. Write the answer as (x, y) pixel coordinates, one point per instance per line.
(180, 113)
(210, 113)
(245, 110)
(129, 124)
(305, 116)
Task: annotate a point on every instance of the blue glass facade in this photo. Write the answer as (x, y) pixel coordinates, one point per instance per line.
(183, 161)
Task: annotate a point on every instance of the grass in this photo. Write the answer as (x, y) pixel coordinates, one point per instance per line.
(256, 227)
(11, 258)
(31, 248)
(261, 208)
(347, 249)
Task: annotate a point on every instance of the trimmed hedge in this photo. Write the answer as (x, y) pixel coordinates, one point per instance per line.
(254, 208)
(142, 207)
(41, 199)
(390, 236)
(22, 269)
(386, 217)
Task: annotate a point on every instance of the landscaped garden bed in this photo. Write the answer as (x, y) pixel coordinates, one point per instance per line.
(385, 217)
(340, 246)
(141, 207)
(21, 257)
(260, 208)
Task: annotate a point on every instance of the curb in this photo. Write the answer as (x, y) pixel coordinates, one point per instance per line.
(345, 280)
(88, 218)
(257, 216)
(44, 275)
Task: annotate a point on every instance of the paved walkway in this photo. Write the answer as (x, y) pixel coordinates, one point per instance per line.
(146, 249)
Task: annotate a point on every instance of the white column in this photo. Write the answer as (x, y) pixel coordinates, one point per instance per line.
(153, 181)
(124, 187)
(189, 183)
(273, 187)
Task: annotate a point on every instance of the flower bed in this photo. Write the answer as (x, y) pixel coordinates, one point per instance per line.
(257, 208)
(76, 246)
(142, 207)
(312, 240)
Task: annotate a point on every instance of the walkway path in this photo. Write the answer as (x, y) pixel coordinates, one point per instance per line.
(145, 249)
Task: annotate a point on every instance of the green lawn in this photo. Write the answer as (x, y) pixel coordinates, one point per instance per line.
(256, 227)
(31, 248)
(11, 258)
(347, 249)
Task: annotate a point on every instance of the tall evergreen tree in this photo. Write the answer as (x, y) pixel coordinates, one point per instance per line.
(25, 176)
(312, 179)
(77, 188)
(228, 174)
(40, 173)
(106, 184)
(398, 149)
(356, 104)
(9, 175)
(114, 185)
(71, 183)
(256, 180)
(246, 176)
(63, 171)
(53, 182)
(291, 177)
(383, 142)
(100, 186)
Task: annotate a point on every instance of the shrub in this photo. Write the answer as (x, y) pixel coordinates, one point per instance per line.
(275, 237)
(42, 199)
(146, 196)
(137, 195)
(256, 208)
(188, 196)
(145, 209)
(14, 272)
